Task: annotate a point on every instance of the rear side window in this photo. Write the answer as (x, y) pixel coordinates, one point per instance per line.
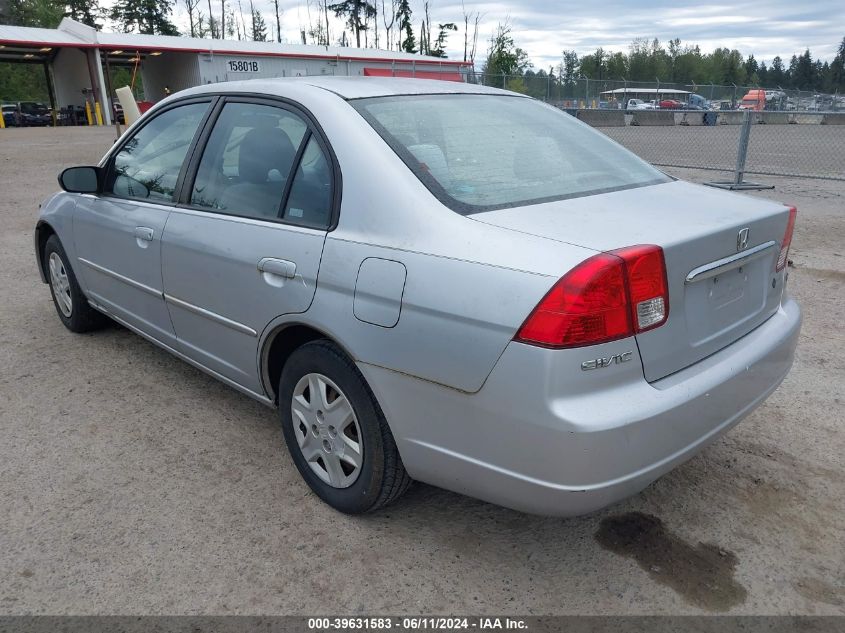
(310, 200)
(148, 164)
(484, 152)
(249, 160)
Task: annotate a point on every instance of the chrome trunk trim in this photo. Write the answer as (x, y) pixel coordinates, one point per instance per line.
(727, 263)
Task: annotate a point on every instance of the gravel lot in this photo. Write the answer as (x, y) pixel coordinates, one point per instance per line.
(131, 483)
(814, 150)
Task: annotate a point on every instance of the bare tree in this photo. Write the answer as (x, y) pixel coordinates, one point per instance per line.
(425, 31)
(222, 19)
(472, 50)
(375, 21)
(326, 14)
(317, 31)
(278, 21)
(201, 29)
(473, 17)
(243, 22)
(211, 22)
(388, 26)
(191, 6)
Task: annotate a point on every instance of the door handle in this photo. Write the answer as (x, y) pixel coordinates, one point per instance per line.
(144, 233)
(277, 267)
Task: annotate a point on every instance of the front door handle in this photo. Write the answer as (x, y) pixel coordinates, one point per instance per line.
(143, 236)
(277, 267)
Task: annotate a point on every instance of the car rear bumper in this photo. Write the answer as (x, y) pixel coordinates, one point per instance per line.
(543, 436)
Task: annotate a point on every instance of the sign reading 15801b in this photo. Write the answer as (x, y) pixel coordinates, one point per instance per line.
(240, 66)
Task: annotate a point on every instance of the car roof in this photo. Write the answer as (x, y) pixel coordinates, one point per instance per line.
(354, 87)
(360, 87)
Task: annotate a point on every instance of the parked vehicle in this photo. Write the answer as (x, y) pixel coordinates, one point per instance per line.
(776, 100)
(10, 115)
(72, 115)
(33, 114)
(437, 281)
(697, 102)
(639, 104)
(670, 104)
(754, 100)
(117, 112)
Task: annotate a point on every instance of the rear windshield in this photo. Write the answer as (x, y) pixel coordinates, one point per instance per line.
(484, 152)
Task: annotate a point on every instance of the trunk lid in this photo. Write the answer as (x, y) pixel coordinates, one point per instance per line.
(721, 284)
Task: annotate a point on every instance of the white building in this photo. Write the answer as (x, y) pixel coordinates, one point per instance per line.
(76, 57)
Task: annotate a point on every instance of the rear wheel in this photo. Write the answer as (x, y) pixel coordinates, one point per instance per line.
(73, 308)
(336, 432)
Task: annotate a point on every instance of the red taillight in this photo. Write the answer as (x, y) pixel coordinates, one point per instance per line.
(607, 297)
(649, 290)
(787, 240)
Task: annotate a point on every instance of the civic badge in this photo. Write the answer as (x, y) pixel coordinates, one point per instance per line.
(742, 240)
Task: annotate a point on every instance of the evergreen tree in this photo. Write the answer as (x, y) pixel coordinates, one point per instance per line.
(357, 13)
(763, 74)
(837, 69)
(568, 70)
(408, 42)
(503, 56)
(85, 11)
(39, 13)
(804, 72)
(751, 67)
(777, 74)
(259, 26)
(150, 17)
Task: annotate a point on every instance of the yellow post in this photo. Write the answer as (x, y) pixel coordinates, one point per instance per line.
(2, 122)
(88, 113)
(98, 113)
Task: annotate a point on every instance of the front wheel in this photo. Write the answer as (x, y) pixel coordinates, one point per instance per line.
(73, 308)
(336, 432)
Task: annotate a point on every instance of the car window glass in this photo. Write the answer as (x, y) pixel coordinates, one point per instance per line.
(148, 164)
(483, 152)
(310, 200)
(248, 159)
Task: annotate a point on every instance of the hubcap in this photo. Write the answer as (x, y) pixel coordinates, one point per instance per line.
(60, 284)
(327, 430)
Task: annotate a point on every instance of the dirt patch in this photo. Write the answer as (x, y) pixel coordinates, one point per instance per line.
(701, 574)
(821, 274)
(817, 590)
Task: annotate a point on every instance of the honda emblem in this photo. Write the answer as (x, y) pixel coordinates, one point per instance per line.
(742, 240)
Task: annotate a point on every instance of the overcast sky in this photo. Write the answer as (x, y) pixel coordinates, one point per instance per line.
(545, 28)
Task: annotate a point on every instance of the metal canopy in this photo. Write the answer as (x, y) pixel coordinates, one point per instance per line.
(74, 34)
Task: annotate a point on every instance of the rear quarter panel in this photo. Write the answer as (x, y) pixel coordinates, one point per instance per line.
(456, 316)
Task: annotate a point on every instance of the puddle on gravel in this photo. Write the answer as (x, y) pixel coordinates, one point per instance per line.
(701, 574)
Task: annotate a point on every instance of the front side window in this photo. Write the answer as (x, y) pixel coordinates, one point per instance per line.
(484, 152)
(248, 160)
(148, 164)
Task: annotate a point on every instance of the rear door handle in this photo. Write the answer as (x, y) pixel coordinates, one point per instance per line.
(277, 267)
(144, 233)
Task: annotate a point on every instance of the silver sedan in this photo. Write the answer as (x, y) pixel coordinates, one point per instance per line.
(432, 281)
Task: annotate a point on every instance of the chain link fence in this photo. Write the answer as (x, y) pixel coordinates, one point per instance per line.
(812, 146)
(587, 93)
(787, 132)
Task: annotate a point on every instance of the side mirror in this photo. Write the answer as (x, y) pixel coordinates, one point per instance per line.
(80, 179)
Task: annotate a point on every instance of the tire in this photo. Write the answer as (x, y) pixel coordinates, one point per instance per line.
(71, 305)
(322, 432)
